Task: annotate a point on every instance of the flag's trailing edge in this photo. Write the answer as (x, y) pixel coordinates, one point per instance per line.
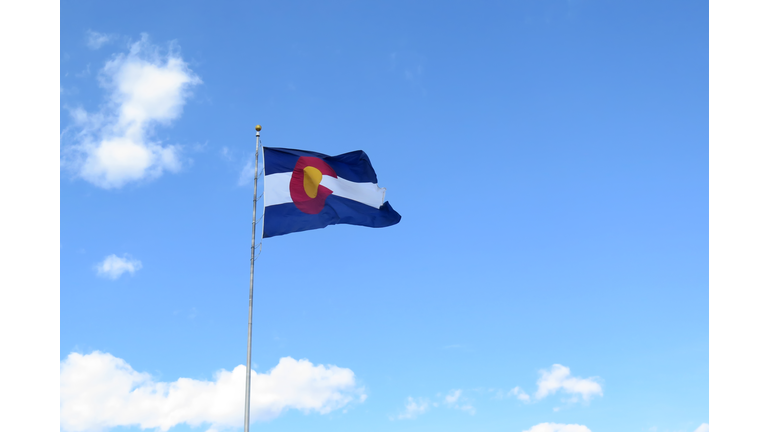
(305, 190)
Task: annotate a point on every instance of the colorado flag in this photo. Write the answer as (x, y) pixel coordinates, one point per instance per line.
(306, 190)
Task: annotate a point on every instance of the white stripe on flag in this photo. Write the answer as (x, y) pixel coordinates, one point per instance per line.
(277, 190)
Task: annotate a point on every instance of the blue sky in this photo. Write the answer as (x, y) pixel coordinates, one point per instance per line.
(550, 162)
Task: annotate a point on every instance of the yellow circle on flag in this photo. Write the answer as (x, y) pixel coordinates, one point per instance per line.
(312, 179)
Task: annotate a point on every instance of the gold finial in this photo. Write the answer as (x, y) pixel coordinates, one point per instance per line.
(258, 128)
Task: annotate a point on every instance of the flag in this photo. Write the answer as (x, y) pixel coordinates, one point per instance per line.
(305, 190)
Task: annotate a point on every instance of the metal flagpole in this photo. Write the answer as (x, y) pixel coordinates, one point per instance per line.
(250, 297)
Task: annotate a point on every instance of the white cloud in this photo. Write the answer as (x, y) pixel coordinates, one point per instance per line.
(114, 146)
(113, 266)
(520, 394)
(558, 427)
(703, 428)
(101, 391)
(226, 153)
(96, 40)
(452, 396)
(414, 408)
(247, 173)
(468, 408)
(559, 378)
(452, 401)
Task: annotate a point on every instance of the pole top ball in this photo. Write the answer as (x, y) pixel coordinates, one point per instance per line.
(258, 128)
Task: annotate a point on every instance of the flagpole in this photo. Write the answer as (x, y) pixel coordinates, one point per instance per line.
(250, 296)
